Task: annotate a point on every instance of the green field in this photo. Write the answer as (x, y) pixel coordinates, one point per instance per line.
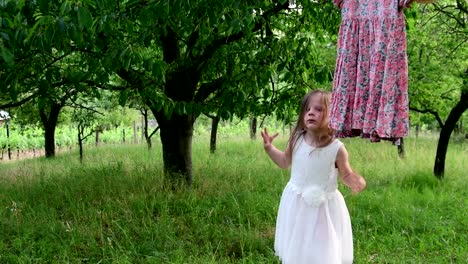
(114, 208)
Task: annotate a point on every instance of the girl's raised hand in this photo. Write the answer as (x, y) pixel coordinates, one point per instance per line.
(356, 182)
(267, 139)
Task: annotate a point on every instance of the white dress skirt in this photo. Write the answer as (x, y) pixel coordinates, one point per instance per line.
(313, 224)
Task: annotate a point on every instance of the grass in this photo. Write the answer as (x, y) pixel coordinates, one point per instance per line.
(114, 208)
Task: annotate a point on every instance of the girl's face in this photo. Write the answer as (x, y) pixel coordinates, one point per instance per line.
(314, 113)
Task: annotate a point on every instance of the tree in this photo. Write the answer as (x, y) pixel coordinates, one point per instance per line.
(43, 61)
(167, 50)
(438, 67)
(86, 119)
(145, 113)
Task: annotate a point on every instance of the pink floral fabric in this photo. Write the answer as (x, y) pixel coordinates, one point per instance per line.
(370, 87)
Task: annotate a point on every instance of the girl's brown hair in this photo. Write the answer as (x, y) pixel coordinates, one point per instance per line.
(325, 136)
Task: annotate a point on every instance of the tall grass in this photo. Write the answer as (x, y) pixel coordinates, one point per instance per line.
(114, 208)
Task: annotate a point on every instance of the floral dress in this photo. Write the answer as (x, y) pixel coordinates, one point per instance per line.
(370, 87)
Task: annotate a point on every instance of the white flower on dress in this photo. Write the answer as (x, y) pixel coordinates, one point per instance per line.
(314, 195)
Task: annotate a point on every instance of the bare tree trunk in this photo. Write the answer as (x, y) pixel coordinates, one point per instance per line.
(135, 129)
(253, 128)
(144, 113)
(97, 138)
(176, 137)
(80, 140)
(446, 131)
(401, 149)
(8, 139)
(50, 123)
(82, 137)
(214, 133)
(143, 128)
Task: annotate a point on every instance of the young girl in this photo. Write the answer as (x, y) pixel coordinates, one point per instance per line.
(313, 224)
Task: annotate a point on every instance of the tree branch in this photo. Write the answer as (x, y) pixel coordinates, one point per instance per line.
(210, 116)
(76, 105)
(106, 87)
(462, 7)
(154, 131)
(207, 89)
(19, 103)
(432, 112)
(215, 45)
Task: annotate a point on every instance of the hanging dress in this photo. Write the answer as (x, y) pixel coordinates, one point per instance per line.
(313, 224)
(370, 86)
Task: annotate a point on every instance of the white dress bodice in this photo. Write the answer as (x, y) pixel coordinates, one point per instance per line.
(313, 171)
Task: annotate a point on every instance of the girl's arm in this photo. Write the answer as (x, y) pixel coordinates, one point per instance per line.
(280, 158)
(351, 179)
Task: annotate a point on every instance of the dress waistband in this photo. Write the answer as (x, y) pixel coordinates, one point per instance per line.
(313, 195)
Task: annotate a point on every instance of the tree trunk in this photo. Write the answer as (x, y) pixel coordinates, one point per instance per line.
(446, 131)
(176, 129)
(50, 123)
(97, 137)
(176, 135)
(253, 128)
(214, 133)
(144, 113)
(401, 149)
(135, 131)
(80, 140)
(143, 127)
(8, 140)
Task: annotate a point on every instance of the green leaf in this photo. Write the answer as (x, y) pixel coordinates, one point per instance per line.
(85, 17)
(212, 17)
(305, 76)
(158, 70)
(127, 61)
(61, 25)
(7, 56)
(49, 34)
(168, 110)
(123, 52)
(410, 23)
(5, 36)
(182, 109)
(74, 34)
(65, 8)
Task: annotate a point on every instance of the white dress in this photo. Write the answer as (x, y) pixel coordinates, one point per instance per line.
(313, 223)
